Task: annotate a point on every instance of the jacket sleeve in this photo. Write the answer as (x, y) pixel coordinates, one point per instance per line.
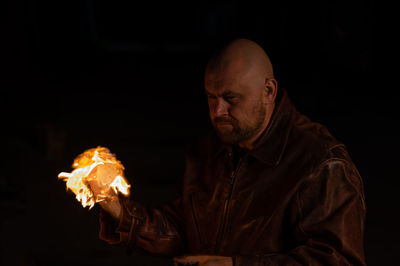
(330, 219)
(155, 230)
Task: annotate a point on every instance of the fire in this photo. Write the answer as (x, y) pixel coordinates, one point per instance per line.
(96, 169)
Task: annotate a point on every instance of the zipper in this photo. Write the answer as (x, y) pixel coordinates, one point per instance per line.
(196, 223)
(226, 207)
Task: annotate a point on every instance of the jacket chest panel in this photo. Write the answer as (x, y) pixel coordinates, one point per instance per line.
(207, 201)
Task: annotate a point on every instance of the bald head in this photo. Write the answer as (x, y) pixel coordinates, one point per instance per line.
(243, 56)
(241, 90)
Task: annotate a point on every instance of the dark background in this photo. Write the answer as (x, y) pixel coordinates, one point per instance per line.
(128, 75)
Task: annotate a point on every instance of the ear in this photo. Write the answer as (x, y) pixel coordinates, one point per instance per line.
(271, 88)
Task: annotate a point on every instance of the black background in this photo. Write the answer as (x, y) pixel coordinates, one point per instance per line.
(128, 75)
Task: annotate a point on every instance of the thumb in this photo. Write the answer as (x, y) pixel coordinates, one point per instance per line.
(186, 260)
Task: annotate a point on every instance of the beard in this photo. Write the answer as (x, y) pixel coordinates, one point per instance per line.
(230, 131)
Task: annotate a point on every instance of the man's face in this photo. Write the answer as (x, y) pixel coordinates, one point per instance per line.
(236, 104)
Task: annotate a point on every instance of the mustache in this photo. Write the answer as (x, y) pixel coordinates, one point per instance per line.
(223, 119)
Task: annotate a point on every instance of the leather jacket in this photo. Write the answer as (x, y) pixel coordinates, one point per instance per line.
(296, 199)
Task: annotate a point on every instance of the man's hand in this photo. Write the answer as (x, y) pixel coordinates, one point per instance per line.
(112, 206)
(109, 204)
(203, 260)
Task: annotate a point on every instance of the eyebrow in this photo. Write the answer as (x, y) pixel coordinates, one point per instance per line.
(225, 93)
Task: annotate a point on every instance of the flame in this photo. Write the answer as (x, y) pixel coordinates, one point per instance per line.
(96, 169)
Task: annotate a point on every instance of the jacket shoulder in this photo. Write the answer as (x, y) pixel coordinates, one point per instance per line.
(316, 150)
(313, 140)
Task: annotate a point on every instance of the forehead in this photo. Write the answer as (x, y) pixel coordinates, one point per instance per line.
(226, 79)
(215, 83)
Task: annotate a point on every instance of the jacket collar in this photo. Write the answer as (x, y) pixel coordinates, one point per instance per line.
(271, 144)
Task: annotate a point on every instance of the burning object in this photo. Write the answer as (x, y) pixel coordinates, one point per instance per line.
(98, 170)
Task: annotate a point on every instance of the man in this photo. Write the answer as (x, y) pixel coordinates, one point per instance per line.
(269, 187)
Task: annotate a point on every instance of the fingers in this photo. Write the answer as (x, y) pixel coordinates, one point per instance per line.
(101, 192)
(186, 260)
(202, 260)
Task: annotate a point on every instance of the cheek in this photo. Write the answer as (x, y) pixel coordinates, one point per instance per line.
(211, 111)
(210, 107)
(243, 114)
(238, 113)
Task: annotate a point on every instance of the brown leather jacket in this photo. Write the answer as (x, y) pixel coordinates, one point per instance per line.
(297, 199)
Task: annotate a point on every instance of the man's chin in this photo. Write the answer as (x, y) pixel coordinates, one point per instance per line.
(226, 137)
(224, 130)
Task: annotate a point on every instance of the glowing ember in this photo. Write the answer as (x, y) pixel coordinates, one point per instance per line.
(96, 169)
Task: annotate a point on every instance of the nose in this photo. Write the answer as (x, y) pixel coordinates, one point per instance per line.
(219, 108)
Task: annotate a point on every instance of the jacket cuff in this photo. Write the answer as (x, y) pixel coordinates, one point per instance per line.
(122, 231)
(132, 216)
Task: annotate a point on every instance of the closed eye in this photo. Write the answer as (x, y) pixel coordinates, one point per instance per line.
(231, 98)
(210, 96)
